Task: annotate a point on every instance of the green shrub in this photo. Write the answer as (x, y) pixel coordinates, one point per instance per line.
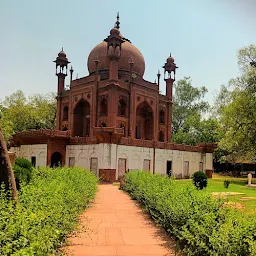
(199, 180)
(47, 211)
(226, 183)
(22, 171)
(200, 225)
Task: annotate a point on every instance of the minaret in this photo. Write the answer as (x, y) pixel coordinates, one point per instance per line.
(61, 72)
(71, 75)
(61, 69)
(170, 69)
(158, 78)
(114, 41)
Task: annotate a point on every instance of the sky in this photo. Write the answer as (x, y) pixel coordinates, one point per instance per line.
(202, 35)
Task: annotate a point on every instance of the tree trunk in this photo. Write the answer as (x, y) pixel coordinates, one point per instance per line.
(7, 162)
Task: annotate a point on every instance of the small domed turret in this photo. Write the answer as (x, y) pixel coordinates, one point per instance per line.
(170, 59)
(62, 54)
(114, 32)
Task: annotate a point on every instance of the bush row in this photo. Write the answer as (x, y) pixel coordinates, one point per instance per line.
(47, 211)
(199, 223)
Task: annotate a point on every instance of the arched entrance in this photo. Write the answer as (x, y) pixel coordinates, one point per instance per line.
(81, 126)
(56, 160)
(144, 122)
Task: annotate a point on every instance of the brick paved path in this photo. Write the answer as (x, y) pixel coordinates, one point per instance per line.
(116, 226)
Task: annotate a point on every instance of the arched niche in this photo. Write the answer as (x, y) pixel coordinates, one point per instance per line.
(104, 106)
(65, 113)
(144, 121)
(81, 126)
(122, 108)
(161, 116)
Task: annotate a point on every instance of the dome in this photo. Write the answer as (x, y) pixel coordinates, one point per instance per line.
(170, 59)
(62, 54)
(128, 52)
(114, 31)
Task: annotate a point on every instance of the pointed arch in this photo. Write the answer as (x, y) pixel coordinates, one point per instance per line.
(144, 121)
(104, 106)
(81, 119)
(161, 117)
(65, 113)
(122, 107)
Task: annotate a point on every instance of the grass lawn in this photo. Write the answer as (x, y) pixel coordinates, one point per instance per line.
(236, 185)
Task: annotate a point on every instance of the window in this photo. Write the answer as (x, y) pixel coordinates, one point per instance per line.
(169, 168)
(122, 107)
(104, 107)
(65, 113)
(33, 161)
(161, 117)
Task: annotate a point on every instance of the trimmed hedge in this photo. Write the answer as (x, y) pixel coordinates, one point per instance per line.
(199, 223)
(47, 211)
(22, 171)
(200, 180)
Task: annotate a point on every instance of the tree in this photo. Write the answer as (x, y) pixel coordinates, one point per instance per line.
(222, 99)
(21, 113)
(197, 130)
(238, 122)
(8, 167)
(238, 117)
(188, 101)
(188, 109)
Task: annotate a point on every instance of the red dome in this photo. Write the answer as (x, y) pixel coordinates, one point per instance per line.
(128, 52)
(170, 59)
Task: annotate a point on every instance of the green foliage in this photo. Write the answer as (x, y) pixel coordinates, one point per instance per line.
(187, 102)
(22, 171)
(200, 180)
(196, 130)
(226, 183)
(47, 211)
(237, 116)
(189, 126)
(199, 223)
(20, 113)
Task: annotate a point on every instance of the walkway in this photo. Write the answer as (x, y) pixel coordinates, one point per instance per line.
(116, 226)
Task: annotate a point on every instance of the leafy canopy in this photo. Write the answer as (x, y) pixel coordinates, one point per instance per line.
(21, 113)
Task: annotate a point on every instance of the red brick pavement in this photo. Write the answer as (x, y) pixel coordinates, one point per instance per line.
(115, 225)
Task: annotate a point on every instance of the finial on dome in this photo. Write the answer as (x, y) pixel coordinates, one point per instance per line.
(170, 59)
(62, 48)
(117, 21)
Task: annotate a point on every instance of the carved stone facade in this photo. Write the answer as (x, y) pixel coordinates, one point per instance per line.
(114, 104)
